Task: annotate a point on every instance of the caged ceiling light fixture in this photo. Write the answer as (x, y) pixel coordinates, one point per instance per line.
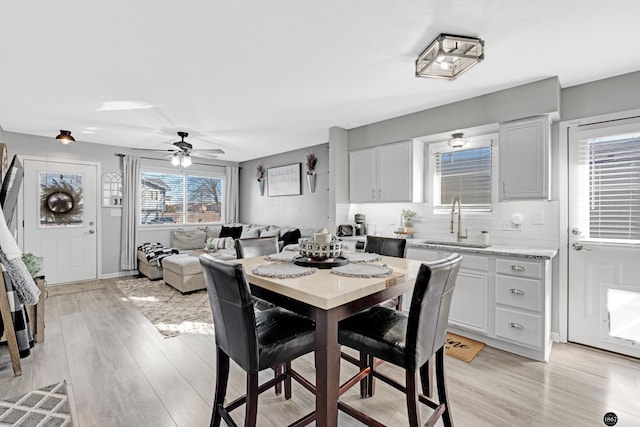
(457, 141)
(65, 137)
(448, 56)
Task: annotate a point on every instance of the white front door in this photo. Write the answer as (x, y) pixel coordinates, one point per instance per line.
(604, 236)
(60, 211)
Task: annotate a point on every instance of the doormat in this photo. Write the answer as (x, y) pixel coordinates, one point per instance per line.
(72, 288)
(462, 348)
(171, 312)
(45, 407)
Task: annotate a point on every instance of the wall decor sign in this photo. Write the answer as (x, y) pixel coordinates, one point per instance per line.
(285, 180)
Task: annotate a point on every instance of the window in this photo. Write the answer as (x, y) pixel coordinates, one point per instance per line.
(614, 187)
(180, 199)
(464, 173)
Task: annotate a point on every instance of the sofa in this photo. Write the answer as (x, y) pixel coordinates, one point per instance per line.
(181, 267)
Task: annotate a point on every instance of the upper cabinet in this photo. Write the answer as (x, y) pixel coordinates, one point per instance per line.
(387, 173)
(524, 159)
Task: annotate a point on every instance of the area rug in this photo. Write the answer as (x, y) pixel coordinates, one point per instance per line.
(462, 348)
(45, 407)
(72, 288)
(171, 312)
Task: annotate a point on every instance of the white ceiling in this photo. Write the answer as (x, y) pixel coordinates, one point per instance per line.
(257, 78)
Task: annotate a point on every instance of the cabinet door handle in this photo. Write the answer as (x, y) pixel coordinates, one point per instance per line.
(516, 292)
(516, 326)
(517, 268)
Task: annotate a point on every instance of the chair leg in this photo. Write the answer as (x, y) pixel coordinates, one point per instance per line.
(426, 378)
(399, 303)
(277, 370)
(287, 381)
(371, 382)
(222, 379)
(364, 387)
(442, 387)
(251, 409)
(412, 398)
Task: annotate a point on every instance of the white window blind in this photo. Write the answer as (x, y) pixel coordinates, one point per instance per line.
(180, 199)
(614, 187)
(466, 174)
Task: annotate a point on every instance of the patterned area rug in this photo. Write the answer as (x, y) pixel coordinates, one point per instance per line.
(72, 288)
(171, 312)
(45, 407)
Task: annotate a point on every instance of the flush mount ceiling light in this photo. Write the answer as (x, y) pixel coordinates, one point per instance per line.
(457, 141)
(65, 137)
(448, 56)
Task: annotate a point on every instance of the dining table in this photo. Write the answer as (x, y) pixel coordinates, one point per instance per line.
(327, 298)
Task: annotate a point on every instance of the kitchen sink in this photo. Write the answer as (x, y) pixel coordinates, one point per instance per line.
(457, 244)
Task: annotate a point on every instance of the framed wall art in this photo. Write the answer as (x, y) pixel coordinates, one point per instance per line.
(285, 180)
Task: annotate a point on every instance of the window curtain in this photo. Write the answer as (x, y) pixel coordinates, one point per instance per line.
(232, 211)
(130, 197)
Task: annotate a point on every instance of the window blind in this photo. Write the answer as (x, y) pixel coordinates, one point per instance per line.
(466, 174)
(614, 188)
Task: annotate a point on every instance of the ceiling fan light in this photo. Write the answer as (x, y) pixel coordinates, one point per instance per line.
(175, 159)
(186, 161)
(65, 137)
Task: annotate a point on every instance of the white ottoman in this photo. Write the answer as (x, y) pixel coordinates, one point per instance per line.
(183, 272)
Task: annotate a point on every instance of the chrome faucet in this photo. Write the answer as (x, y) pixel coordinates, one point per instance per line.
(453, 212)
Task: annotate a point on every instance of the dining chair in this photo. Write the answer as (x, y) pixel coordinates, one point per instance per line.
(253, 340)
(388, 246)
(256, 246)
(408, 341)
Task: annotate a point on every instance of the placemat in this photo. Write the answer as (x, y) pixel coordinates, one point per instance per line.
(363, 270)
(283, 271)
(363, 257)
(284, 256)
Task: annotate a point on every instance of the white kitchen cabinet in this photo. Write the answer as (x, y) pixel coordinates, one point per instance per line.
(502, 301)
(387, 173)
(524, 159)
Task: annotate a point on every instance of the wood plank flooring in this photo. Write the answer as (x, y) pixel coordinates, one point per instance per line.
(122, 372)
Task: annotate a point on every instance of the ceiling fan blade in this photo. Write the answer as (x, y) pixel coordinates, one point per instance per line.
(203, 155)
(154, 149)
(208, 150)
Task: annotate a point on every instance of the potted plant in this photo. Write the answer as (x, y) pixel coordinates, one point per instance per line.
(260, 176)
(312, 161)
(407, 217)
(32, 263)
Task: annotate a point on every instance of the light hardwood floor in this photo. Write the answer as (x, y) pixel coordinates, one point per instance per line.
(122, 372)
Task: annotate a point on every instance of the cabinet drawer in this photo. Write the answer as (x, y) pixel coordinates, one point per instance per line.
(516, 267)
(519, 327)
(475, 262)
(519, 292)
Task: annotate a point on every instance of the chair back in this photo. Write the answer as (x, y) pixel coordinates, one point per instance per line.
(386, 246)
(429, 311)
(233, 315)
(256, 246)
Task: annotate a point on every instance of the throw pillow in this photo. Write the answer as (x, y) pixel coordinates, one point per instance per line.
(212, 231)
(248, 232)
(215, 243)
(234, 232)
(270, 233)
(291, 237)
(188, 238)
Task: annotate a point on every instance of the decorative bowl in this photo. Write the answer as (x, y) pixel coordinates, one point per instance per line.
(319, 250)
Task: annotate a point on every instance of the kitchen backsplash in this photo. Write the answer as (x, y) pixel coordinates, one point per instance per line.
(539, 225)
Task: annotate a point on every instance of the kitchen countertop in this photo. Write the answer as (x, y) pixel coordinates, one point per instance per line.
(498, 249)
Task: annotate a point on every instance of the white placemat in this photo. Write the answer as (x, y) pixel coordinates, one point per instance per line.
(283, 271)
(284, 256)
(363, 257)
(363, 270)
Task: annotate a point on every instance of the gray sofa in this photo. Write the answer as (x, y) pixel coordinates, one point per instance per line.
(182, 270)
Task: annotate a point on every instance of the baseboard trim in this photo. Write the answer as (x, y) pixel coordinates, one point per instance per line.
(119, 274)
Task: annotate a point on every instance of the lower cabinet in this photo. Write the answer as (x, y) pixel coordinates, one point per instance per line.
(502, 301)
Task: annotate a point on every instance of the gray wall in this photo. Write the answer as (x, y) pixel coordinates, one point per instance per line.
(309, 210)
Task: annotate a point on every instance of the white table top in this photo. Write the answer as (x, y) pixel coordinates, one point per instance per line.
(326, 290)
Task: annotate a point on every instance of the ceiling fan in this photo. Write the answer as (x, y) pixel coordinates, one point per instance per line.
(182, 151)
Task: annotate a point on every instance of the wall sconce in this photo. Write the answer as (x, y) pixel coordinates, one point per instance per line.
(457, 141)
(448, 56)
(65, 137)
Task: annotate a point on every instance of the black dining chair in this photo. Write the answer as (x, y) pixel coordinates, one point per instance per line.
(388, 246)
(254, 340)
(256, 246)
(408, 341)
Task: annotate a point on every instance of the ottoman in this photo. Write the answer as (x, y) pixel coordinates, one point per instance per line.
(183, 272)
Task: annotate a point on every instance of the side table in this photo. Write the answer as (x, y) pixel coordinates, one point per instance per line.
(36, 312)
